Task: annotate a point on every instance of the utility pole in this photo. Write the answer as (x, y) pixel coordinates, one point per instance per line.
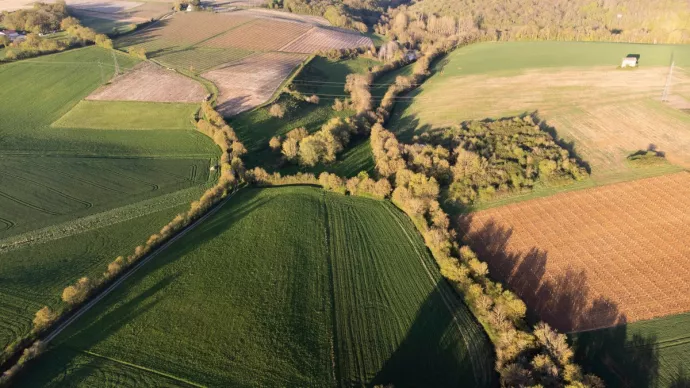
(667, 87)
(117, 65)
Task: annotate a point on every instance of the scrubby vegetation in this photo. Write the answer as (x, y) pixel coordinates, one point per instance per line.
(349, 14)
(483, 159)
(650, 157)
(42, 18)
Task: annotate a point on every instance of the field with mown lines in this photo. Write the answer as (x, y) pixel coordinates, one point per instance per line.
(200, 59)
(233, 303)
(238, 303)
(34, 275)
(393, 324)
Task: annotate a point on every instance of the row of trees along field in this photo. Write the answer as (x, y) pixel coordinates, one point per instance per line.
(639, 21)
(232, 173)
(540, 357)
(47, 18)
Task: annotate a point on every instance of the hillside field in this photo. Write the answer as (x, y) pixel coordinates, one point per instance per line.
(290, 286)
(602, 113)
(641, 354)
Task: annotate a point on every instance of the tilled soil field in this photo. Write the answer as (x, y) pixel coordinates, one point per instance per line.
(149, 82)
(324, 39)
(260, 35)
(593, 258)
(250, 82)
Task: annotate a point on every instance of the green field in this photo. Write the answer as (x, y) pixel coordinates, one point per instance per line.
(274, 291)
(322, 77)
(72, 199)
(129, 115)
(200, 59)
(34, 274)
(106, 26)
(641, 354)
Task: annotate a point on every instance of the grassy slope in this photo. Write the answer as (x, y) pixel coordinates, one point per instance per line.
(237, 303)
(35, 275)
(641, 354)
(321, 77)
(129, 115)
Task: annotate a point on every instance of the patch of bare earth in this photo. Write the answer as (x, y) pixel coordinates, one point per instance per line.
(593, 258)
(323, 39)
(250, 82)
(149, 82)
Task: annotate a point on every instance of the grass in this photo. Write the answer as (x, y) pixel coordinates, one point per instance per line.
(72, 199)
(335, 290)
(322, 77)
(36, 92)
(34, 276)
(201, 59)
(640, 354)
(574, 87)
(106, 26)
(129, 115)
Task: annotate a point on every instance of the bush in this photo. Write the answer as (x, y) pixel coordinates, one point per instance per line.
(277, 110)
(78, 292)
(44, 317)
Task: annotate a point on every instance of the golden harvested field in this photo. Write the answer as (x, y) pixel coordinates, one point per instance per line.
(251, 82)
(607, 113)
(260, 35)
(593, 258)
(108, 6)
(149, 82)
(324, 39)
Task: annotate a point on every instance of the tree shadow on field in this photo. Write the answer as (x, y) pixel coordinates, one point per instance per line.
(567, 145)
(563, 300)
(434, 353)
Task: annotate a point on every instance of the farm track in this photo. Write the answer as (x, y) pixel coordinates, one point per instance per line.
(83, 309)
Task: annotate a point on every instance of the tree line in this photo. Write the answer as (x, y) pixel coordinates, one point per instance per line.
(232, 173)
(47, 18)
(637, 21)
(524, 357)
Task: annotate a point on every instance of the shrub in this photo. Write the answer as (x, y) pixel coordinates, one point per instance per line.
(78, 292)
(277, 110)
(44, 317)
(275, 143)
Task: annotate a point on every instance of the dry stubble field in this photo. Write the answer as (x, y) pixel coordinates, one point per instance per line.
(608, 113)
(150, 82)
(593, 258)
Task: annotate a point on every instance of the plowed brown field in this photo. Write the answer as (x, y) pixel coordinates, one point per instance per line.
(149, 82)
(322, 39)
(593, 258)
(260, 35)
(252, 81)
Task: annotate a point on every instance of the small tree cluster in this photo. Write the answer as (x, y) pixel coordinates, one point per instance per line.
(137, 52)
(44, 317)
(41, 19)
(320, 147)
(77, 292)
(358, 86)
(277, 110)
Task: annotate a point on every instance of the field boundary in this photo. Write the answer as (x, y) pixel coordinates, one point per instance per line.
(478, 371)
(143, 368)
(131, 271)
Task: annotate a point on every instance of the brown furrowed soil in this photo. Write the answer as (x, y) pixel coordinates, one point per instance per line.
(324, 39)
(250, 82)
(149, 82)
(593, 258)
(260, 35)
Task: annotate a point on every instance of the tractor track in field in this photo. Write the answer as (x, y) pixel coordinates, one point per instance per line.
(85, 308)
